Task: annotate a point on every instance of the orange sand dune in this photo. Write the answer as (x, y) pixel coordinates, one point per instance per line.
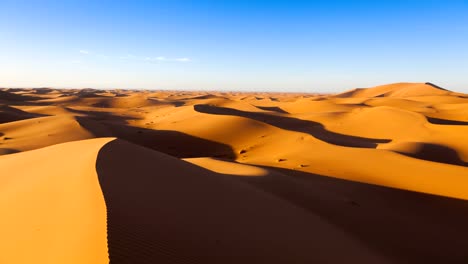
(370, 175)
(178, 213)
(397, 90)
(52, 207)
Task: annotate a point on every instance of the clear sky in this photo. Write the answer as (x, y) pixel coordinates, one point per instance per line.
(308, 46)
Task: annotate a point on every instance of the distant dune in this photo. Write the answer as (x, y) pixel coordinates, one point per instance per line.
(371, 175)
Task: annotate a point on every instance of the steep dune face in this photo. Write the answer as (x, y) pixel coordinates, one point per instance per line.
(362, 210)
(10, 114)
(52, 206)
(161, 209)
(267, 178)
(41, 132)
(397, 90)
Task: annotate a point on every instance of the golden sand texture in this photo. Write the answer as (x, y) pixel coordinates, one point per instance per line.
(375, 175)
(53, 210)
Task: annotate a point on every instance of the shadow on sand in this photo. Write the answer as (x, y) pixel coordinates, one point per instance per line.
(406, 226)
(314, 129)
(439, 121)
(436, 153)
(174, 143)
(157, 213)
(164, 210)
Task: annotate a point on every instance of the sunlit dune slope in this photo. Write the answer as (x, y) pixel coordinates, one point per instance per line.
(53, 210)
(378, 216)
(397, 90)
(41, 132)
(394, 135)
(132, 176)
(163, 209)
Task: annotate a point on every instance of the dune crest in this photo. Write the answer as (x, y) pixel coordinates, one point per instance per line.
(370, 175)
(52, 206)
(397, 90)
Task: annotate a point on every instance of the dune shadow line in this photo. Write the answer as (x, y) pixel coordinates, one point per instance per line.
(439, 121)
(436, 153)
(378, 216)
(163, 210)
(436, 86)
(171, 142)
(312, 128)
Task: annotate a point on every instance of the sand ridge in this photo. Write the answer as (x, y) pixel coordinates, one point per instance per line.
(230, 177)
(53, 210)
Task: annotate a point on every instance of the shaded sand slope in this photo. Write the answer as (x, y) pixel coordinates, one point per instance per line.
(41, 132)
(10, 114)
(392, 144)
(161, 209)
(309, 146)
(290, 187)
(397, 90)
(52, 206)
(407, 227)
(373, 165)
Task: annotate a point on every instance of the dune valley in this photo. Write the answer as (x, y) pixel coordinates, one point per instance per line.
(369, 175)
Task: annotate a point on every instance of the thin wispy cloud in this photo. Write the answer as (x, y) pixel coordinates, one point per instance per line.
(75, 62)
(136, 58)
(183, 59)
(162, 59)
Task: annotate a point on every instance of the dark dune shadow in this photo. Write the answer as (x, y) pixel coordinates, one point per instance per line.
(163, 210)
(408, 227)
(15, 89)
(174, 143)
(273, 109)
(436, 86)
(6, 151)
(104, 104)
(439, 121)
(437, 153)
(11, 114)
(66, 94)
(176, 103)
(12, 97)
(89, 95)
(43, 90)
(120, 95)
(102, 116)
(314, 129)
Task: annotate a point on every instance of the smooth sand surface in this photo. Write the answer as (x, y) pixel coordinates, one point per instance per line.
(375, 175)
(52, 206)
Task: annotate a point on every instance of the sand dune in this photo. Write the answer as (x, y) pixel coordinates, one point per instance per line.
(41, 132)
(397, 90)
(370, 175)
(180, 213)
(52, 206)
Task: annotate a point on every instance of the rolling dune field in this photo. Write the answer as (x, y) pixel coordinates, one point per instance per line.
(370, 175)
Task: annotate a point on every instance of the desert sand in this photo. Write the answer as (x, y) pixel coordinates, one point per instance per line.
(370, 175)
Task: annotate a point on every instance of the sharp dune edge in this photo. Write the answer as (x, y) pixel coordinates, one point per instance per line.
(373, 175)
(52, 207)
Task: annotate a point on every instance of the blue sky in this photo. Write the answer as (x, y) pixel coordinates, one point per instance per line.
(307, 46)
